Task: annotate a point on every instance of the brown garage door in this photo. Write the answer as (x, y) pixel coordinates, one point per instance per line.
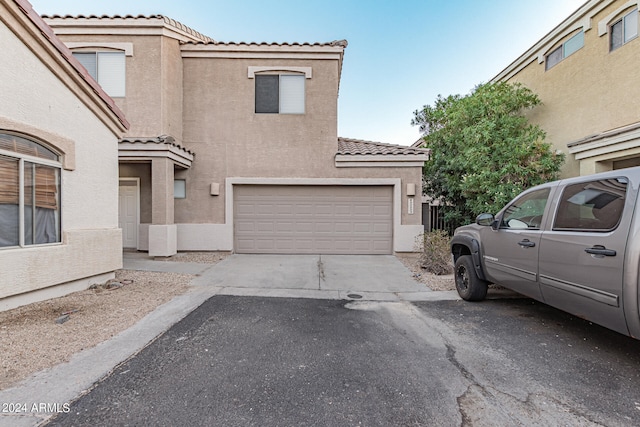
(291, 219)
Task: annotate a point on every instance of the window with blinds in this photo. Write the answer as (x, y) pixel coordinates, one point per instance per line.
(280, 94)
(29, 193)
(566, 49)
(624, 30)
(107, 68)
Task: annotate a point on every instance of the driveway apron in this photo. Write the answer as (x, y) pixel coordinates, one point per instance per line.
(369, 277)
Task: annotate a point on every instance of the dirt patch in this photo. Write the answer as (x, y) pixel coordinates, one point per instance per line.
(199, 257)
(41, 335)
(432, 281)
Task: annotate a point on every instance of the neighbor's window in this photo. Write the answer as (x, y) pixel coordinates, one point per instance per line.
(591, 206)
(179, 189)
(567, 48)
(526, 212)
(280, 94)
(29, 193)
(107, 68)
(624, 30)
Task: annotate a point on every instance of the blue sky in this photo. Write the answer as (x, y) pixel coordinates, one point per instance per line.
(401, 54)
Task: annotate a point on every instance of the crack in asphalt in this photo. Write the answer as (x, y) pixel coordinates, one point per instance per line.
(508, 407)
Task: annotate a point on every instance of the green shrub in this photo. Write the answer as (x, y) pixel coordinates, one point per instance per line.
(435, 255)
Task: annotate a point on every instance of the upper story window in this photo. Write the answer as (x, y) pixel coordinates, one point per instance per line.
(624, 30)
(567, 48)
(592, 206)
(107, 68)
(280, 93)
(29, 192)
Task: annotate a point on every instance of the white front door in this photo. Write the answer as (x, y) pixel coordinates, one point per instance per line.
(128, 212)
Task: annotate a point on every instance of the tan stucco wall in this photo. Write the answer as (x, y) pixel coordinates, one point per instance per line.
(89, 203)
(171, 67)
(589, 92)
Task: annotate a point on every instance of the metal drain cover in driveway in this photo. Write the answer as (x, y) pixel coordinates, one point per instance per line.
(354, 296)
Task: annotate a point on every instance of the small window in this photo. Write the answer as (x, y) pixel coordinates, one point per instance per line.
(107, 68)
(280, 94)
(566, 49)
(591, 206)
(179, 189)
(624, 30)
(526, 212)
(29, 193)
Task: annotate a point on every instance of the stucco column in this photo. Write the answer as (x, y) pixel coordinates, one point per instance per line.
(162, 231)
(161, 191)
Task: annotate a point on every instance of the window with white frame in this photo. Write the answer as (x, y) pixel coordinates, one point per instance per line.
(107, 68)
(29, 192)
(565, 49)
(280, 93)
(624, 30)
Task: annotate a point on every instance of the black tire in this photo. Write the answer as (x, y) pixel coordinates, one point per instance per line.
(469, 286)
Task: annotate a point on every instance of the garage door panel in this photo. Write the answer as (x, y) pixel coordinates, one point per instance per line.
(302, 245)
(343, 227)
(362, 227)
(313, 219)
(342, 209)
(284, 209)
(265, 227)
(303, 209)
(284, 226)
(246, 227)
(381, 228)
(381, 211)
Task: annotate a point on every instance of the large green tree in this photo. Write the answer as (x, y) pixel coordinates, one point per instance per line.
(484, 151)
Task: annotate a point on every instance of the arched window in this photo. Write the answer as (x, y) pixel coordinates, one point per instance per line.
(29, 192)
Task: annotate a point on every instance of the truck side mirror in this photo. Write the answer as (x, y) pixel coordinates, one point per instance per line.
(485, 219)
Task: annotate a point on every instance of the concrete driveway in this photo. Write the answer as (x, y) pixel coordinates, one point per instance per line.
(369, 277)
(366, 277)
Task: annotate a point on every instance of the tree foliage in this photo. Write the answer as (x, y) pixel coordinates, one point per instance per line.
(483, 149)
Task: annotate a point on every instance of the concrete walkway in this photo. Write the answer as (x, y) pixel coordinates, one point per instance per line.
(353, 277)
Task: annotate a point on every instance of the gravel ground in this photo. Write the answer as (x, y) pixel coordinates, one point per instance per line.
(433, 282)
(31, 340)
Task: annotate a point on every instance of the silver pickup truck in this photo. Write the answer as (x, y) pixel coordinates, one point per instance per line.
(573, 244)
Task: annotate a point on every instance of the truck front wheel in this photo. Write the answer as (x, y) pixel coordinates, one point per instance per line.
(469, 286)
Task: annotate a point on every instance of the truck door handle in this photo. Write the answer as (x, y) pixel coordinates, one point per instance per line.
(600, 250)
(526, 243)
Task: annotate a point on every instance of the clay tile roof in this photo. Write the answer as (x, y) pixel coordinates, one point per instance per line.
(47, 32)
(356, 147)
(162, 139)
(168, 21)
(339, 43)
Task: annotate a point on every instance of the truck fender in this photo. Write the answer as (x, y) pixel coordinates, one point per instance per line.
(467, 245)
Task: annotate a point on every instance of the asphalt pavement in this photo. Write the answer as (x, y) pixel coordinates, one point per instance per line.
(253, 361)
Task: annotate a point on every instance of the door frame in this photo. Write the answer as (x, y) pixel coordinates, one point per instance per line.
(137, 185)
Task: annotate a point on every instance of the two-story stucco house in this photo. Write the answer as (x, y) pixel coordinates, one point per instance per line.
(585, 71)
(234, 146)
(59, 134)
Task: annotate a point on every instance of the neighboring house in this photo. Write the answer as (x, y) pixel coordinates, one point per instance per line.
(234, 146)
(59, 135)
(585, 71)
